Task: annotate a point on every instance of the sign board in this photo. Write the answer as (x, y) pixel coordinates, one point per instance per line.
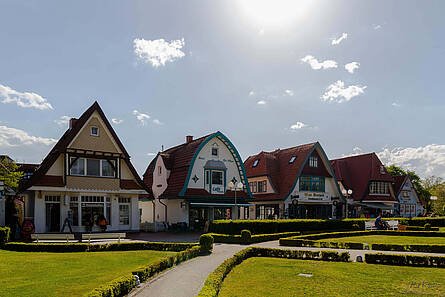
(314, 197)
(217, 189)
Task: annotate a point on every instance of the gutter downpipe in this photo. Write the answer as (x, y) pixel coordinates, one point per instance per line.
(165, 205)
(154, 215)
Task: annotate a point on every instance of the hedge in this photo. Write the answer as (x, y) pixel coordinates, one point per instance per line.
(280, 226)
(419, 228)
(225, 238)
(85, 247)
(4, 235)
(206, 242)
(405, 260)
(123, 285)
(214, 281)
(423, 248)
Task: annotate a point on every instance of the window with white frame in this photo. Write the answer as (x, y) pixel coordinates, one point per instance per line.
(124, 211)
(313, 161)
(94, 131)
(214, 151)
(87, 210)
(49, 198)
(262, 186)
(92, 167)
(379, 188)
(217, 177)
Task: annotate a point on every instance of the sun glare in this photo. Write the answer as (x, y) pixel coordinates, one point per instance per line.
(274, 13)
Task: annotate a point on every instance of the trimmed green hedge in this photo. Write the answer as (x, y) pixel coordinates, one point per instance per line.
(418, 228)
(85, 247)
(214, 281)
(206, 242)
(123, 285)
(238, 239)
(4, 235)
(405, 260)
(310, 241)
(302, 225)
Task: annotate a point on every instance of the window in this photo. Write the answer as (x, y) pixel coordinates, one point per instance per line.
(207, 177)
(406, 194)
(214, 152)
(313, 161)
(253, 186)
(379, 188)
(52, 198)
(217, 177)
(269, 212)
(124, 214)
(159, 170)
(262, 186)
(92, 167)
(312, 183)
(94, 131)
(255, 163)
(292, 159)
(108, 168)
(78, 167)
(124, 200)
(74, 207)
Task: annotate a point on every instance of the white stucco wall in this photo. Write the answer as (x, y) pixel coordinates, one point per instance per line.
(159, 179)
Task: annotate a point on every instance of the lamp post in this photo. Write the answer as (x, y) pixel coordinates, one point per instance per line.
(346, 193)
(233, 185)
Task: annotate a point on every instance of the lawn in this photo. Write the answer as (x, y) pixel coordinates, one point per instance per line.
(389, 239)
(279, 277)
(66, 274)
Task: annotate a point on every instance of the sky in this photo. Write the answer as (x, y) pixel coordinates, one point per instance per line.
(356, 76)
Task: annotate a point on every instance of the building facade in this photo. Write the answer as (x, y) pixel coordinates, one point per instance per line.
(409, 204)
(87, 174)
(190, 183)
(370, 185)
(296, 182)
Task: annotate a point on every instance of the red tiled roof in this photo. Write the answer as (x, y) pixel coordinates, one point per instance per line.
(50, 181)
(65, 140)
(276, 165)
(355, 172)
(129, 184)
(398, 183)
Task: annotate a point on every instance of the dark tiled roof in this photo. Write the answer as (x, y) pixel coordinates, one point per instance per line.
(276, 165)
(65, 140)
(398, 183)
(50, 181)
(356, 172)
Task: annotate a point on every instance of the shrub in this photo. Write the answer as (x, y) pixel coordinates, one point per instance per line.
(4, 235)
(427, 227)
(225, 238)
(246, 235)
(206, 242)
(118, 287)
(356, 227)
(419, 228)
(405, 260)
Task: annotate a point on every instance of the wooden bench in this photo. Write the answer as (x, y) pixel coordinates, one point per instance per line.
(370, 225)
(393, 225)
(90, 236)
(50, 236)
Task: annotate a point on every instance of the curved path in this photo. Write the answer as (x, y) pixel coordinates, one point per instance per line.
(187, 279)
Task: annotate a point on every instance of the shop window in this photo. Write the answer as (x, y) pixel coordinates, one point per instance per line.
(124, 214)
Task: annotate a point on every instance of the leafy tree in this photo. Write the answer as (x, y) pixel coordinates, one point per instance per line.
(10, 173)
(395, 170)
(436, 186)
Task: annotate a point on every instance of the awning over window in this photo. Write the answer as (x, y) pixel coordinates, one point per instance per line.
(377, 206)
(219, 204)
(214, 164)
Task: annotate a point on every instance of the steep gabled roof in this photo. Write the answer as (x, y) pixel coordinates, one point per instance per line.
(178, 160)
(61, 146)
(277, 166)
(356, 172)
(399, 181)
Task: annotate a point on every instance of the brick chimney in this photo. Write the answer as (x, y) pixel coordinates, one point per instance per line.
(188, 138)
(73, 122)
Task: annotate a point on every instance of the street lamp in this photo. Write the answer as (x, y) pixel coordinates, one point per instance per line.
(346, 193)
(233, 185)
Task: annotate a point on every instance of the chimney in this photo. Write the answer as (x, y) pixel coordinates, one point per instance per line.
(72, 122)
(188, 138)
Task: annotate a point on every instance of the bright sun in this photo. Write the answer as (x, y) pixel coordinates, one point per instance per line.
(274, 13)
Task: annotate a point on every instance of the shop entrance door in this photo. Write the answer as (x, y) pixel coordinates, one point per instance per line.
(52, 217)
(198, 218)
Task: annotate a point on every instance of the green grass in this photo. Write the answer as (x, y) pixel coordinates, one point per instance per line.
(279, 277)
(389, 239)
(66, 274)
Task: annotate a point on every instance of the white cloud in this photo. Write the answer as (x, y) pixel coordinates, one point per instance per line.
(251, 93)
(116, 121)
(319, 65)
(142, 117)
(11, 137)
(261, 32)
(157, 122)
(288, 92)
(376, 27)
(298, 125)
(63, 121)
(350, 67)
(151, 154)
(424, 160)
(158, 52)
(261, 102)
(23, 99)
(340, 39)
(337, 92)
(395, 104)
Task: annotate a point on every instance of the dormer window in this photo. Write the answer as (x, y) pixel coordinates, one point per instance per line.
(382, 169)
(159, 170)
(292, 159)
(255, 163)
(313, 161)
(214, 152)
(94, 131)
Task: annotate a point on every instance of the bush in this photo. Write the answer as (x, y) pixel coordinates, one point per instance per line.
(118, 287)
(4, 235)
(224, 238)
(356, 227)
(405, 260)
(424, 248)
(206, 242)
(246, 235)
(418, 228)
(427, 227)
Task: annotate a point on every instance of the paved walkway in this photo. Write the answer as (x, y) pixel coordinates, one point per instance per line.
(187, 279)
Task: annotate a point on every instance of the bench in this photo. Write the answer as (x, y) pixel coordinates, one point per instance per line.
(393, 225)
(65, 236)
(90, 236)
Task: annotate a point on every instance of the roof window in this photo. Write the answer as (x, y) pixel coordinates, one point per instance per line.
(255, 163)
(292, 159)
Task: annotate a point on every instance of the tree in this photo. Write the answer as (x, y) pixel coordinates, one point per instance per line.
(436, 186)
(394, 170)
(10, 173)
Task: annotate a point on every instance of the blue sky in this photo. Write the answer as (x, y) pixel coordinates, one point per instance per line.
(267, 76)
